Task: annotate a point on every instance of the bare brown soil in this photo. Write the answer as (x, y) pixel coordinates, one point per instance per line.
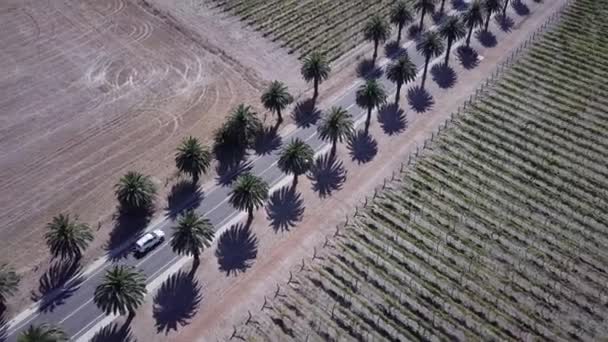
(226, 297)
(92, 89)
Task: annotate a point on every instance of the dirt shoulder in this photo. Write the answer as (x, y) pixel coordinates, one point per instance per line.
(226, 297)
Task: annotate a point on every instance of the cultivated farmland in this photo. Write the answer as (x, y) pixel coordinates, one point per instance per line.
(497, 232)
(332, 27)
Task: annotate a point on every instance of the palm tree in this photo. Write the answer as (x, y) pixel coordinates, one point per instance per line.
(423, 6)
(316, 69)
(9, 283)
(67, 238)
(473, 18)
(192, 235)
(336, 125)
(43, 333)
(296, 159)
(121, 291)
(248, 193)
(135, 191)
(429, 46)
(490, 7)
(376, 30)
(240, 129)
(400, 72)
(192, 158)
(276, 98)
(369, 96)
(401, 15)
(451, 29)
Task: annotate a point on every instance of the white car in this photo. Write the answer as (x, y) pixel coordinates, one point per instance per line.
(149, 241)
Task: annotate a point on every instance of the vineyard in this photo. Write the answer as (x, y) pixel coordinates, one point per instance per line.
(330, 26)
(498, 231)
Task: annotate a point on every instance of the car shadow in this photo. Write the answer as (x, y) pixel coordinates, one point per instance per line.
(184, 195)
(126, 226)
(520, 7)
(327, 175)
(394, 50)
(57, 284)
(114, 333)
(306, 113)
(369, 70)
(176, 302)
(285, 209)
(362, 147)
(236, 249)
(419, 99)
(443, 75)
(392, 119)
(468, 57)
(267, 141)
(487, 39)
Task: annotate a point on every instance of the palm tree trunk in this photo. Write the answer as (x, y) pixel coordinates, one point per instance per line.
(295, 182)
(279, 116)
(488, 21)
(249, 216)
(334, 145)
(127, 323)
(376, 43)
(442, 6)
(398, 94)
(195, 178)
(421, 20)
(447, 52)
(369, 119)
(195, 263)
(504, 9)
(399, 32)
(316, 84)
(469, 35)
(426, 67)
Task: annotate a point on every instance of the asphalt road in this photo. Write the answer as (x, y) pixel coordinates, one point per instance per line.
(75, 310)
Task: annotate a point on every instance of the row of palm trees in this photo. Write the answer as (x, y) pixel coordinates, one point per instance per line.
(123, 288)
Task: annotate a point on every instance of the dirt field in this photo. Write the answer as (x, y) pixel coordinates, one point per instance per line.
(92, 89)
(217, 301)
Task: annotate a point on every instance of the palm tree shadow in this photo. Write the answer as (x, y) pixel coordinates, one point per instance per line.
(57, 284)
(438, 17)
(285, 208)
(3, 324)
(504, 22)
(127, 225)
(392, 119)
(327, 175)
(184, 195)
(443, 75)
(460, 5)
(306, 113)
(236, 249)
(520, 7)
(394, 50)
(362, 147)
(468, 57)
(114, 333)
(487, 39)
(419, 99)
(176, 302)
(369, 70)
(413, 32)
(267, 141)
